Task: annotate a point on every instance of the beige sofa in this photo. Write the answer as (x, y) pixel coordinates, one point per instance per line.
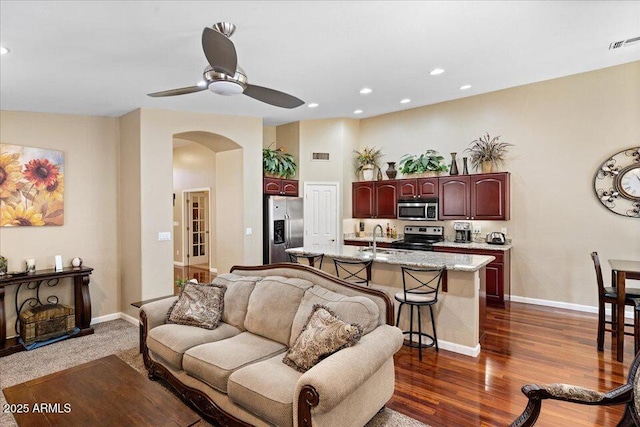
(234, 374)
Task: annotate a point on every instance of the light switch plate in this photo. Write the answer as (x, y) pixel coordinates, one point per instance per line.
(249, 231)
(504, 230)
(164, 236)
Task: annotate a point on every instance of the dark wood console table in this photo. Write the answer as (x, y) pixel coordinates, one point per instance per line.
(50, 278)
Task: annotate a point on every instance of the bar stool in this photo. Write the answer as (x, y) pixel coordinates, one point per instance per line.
(313, 260)
(354, 271)
(420, 288)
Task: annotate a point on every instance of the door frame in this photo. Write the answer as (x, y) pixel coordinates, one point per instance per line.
(339, 215)
(185, 216)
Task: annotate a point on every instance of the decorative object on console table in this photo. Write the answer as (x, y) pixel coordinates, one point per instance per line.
(76, 262)
(366, 161)
(33, 186)
(454, 165)
(391, 170)
(58, 263)
(3, 265)
(30, 264)
(429, 163)
(617, 183)
(487, 153)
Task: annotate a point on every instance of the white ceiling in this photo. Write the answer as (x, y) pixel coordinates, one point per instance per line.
(103, 57)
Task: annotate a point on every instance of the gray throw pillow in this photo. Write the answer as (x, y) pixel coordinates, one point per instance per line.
(322, 335)
(198, 305)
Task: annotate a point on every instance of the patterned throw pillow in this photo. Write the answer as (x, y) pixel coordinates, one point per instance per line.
(198, 305)
(322, 335)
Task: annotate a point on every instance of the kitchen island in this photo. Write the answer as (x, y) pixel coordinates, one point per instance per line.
(460, 311)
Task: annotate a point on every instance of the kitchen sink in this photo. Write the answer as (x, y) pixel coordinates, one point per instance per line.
(378, 250)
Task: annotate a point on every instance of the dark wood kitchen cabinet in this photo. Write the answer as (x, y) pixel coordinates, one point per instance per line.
(374, 199)
(279, 186)
(478, 197)
(417, 188)
(498, 272)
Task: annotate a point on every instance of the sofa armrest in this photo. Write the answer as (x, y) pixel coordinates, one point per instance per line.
(337, 376)
(156, 311)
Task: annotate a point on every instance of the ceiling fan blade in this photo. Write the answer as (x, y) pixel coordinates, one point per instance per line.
(273, 97)
(180, 91)
(219, 51)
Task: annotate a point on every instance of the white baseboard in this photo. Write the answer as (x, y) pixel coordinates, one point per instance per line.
(178, 263)
(456, 348)
(130, 319)
(115, 316)
(568, 306)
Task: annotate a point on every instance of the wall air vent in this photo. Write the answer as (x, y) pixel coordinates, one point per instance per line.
(321, 157)
(624, 43)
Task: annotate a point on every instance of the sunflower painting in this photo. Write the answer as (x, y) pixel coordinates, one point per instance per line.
(31, 186)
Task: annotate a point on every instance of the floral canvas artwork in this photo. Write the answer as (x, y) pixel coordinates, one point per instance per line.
(31, 186)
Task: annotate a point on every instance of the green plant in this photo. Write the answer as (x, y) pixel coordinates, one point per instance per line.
(278, 162)
(487, 149)
(367, 158)
(181, 282)
(430, 160)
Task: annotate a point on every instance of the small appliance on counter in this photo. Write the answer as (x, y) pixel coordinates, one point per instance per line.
(496, 238)
(463, 232)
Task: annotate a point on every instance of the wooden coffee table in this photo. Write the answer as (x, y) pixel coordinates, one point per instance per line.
(105, 392)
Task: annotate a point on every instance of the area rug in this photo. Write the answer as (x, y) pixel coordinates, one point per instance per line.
(115, 337)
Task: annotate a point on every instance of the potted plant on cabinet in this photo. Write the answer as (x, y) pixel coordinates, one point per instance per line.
(429, 163)
(366, 161)
(486, 153)
(278, 163)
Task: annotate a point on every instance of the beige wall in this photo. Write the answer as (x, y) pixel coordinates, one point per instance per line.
(562, 130)
(268, 135)
(157, 130)
(288, 137)
(194, 167)
(90, 146)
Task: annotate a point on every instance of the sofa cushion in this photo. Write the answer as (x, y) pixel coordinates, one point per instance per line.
(355, 310)
(322, 335)
(214, 362)
(170, 341)
(236, 298)
(267, 389)
(198, 305)
(273, 305)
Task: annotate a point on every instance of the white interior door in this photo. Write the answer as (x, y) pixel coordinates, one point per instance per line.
(321, 207)
(197, 227)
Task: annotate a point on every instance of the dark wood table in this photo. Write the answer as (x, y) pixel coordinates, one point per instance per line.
(621, 270)
(105, 392)
(31, 283)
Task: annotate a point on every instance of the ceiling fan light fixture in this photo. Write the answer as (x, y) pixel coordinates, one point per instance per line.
(226, 88)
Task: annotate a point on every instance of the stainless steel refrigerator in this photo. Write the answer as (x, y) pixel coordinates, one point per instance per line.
(283, 227)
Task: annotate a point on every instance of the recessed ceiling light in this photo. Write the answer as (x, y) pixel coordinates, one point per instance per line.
(357, 112)
(405, 101)
(465, 87)
(366, 91)
(312, 105)
(3, 50)
(436, 71)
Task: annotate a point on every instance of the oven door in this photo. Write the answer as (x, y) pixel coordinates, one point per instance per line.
(417, 211)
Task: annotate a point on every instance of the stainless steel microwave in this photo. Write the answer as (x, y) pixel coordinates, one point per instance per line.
(418, 209)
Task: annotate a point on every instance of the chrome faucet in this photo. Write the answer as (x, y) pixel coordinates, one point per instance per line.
(374, 237)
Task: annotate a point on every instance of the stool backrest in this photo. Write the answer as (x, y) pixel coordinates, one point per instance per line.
(313, 260)
(353, 271)
(423, 281)
(596, 264)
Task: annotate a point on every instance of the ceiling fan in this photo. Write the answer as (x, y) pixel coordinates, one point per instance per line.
(224, 76)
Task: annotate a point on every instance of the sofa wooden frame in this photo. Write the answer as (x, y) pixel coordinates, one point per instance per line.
(204, 405)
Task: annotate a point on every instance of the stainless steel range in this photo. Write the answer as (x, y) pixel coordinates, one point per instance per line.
(419, 238)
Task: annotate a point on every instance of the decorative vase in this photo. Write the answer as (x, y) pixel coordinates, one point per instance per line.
(3, 265)
(454, 165)
(465, 169)
(379, 176)
(487, 167)
(367, 174)
(391, 170)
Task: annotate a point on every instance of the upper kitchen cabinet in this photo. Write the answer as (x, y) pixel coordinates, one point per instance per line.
(417, 188)
(374, 199)
(477, 197)
(278, 186)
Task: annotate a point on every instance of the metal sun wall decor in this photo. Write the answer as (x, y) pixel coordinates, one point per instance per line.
(31, 186)
(617, 183)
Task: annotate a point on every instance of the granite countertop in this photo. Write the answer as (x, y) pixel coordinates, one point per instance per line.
(475, 245)
(454, 262)
(370, 239)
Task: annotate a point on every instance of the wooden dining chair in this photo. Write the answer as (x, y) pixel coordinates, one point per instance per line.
(609, 295)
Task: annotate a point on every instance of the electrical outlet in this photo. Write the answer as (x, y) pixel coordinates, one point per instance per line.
(178, 253)
(477, 229)
(504, 230)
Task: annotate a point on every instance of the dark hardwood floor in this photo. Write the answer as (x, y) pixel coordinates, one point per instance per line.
(524, 344)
